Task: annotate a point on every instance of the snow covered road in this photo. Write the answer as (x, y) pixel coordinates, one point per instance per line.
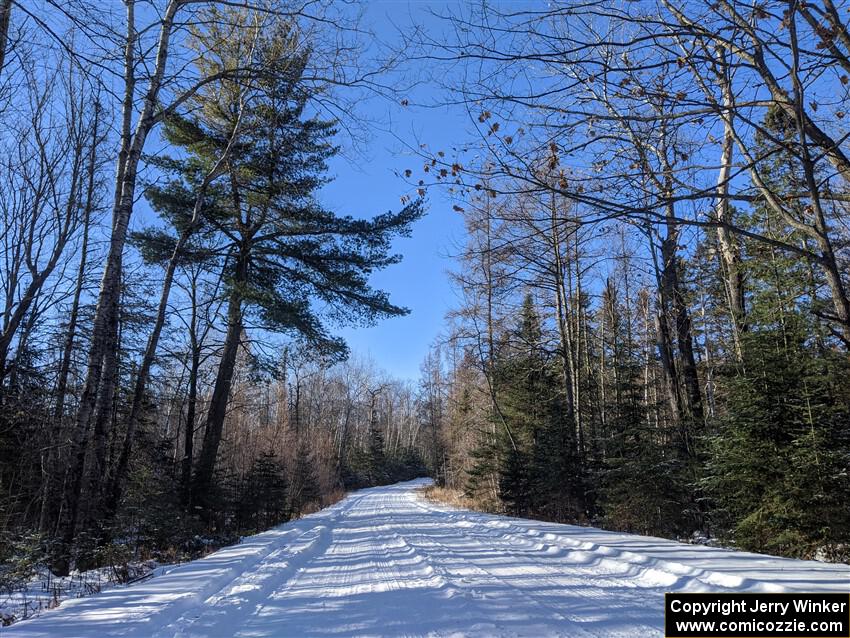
(384, 562)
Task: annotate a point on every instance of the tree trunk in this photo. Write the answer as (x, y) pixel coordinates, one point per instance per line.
(48, 493)
(221, 390)
(139, 389)
(189, 434)
(192, 399)
(663, 338)
(675, 305)
(837, 289)
(729, 251)
(5, 19)
(114, 495)
(561, 312)
(98, 469)
(101, 378)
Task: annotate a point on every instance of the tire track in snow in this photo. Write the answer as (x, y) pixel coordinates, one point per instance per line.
(488, 577)
(362, 560)
(541, 576)
(459, 579)
(236, 598)
(637, 570)
(559, 573)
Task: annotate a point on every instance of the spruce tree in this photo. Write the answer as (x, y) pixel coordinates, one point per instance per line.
(779, 456)
(641, 481)
(779, 460)
(535, 447)
(376, 461)
(263, 495)
(303, 486)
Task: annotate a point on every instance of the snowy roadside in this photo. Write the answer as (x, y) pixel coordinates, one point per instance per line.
(443, 496)
(44, 590)
(676, 565)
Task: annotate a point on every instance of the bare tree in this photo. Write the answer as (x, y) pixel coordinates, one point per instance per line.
(44, 199)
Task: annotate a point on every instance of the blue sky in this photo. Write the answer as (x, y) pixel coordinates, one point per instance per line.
(369, 187)
(367, 182)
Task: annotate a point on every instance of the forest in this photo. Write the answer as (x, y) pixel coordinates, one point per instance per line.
(653, 334)
(652, 325)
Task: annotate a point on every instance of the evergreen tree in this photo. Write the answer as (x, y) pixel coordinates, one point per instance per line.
(289, 263)
(263, 496)
(482, 475)
(779, 461)
(641, 479)
(303, 486)
(515, 487)
(535, 446)
(558, 483)
(376, 461)
(641, 476)
(777, 467)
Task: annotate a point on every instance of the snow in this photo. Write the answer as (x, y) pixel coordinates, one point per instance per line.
(385, 562)
(45, 590)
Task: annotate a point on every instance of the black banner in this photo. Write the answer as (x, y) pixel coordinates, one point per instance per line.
(757, 615)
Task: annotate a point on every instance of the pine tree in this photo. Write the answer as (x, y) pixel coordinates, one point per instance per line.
(289, 263)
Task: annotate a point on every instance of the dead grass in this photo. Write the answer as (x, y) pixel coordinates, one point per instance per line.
(448, 496)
